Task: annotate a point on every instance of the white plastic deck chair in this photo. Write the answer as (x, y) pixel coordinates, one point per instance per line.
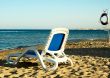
(31, 52)
(56, 45)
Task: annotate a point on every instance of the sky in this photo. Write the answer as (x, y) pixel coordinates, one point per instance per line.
(47, 14)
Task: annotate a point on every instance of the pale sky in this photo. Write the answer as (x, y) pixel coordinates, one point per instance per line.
(47, 14)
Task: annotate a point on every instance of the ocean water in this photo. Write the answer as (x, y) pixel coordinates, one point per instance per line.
(18, 38)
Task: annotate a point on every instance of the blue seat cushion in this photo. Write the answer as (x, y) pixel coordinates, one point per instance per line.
(56, 42)
(30, 52)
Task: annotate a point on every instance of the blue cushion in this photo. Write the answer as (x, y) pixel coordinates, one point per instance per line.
(31, 52)
(56, 42)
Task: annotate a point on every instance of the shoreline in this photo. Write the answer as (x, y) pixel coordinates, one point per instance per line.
(78, 48)
(69, 42)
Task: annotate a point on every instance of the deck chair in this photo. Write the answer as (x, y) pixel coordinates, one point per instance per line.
(31, 52)
(54, 47)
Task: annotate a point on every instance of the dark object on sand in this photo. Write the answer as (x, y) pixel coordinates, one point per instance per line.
(104, 15)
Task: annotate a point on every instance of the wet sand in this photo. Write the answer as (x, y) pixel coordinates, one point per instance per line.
(91, 59)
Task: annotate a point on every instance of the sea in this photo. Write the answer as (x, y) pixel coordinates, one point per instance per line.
(14, 38)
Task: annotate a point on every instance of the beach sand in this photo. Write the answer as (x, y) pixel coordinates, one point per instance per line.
(91, 59)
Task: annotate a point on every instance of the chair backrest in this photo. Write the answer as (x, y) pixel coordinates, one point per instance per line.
(57, 40)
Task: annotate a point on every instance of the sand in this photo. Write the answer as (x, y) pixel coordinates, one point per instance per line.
(88, 62)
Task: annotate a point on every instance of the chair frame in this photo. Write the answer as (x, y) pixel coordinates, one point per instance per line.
(58, 53)
(58, 56)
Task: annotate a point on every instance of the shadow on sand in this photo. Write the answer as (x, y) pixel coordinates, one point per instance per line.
(19, 65)
(100, 52)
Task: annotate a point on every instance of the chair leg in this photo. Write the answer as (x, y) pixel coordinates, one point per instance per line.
(11, 61)
(54, 62)
(68, 59)
(41, 59)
